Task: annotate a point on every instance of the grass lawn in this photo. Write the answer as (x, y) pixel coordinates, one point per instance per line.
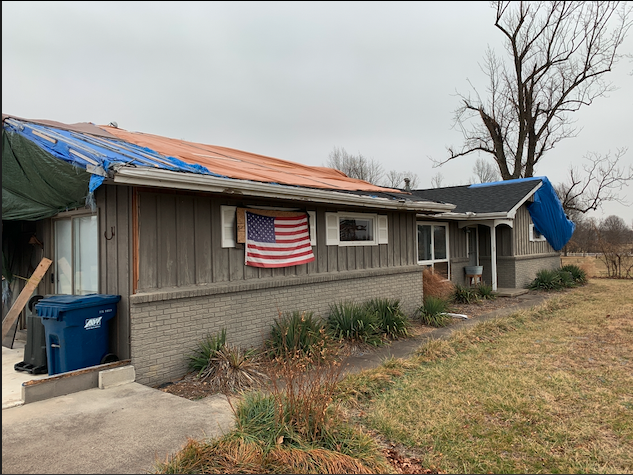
(547, 391)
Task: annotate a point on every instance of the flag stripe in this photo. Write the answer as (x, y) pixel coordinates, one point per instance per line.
(279, 250)
(266, 255)
(269, 264)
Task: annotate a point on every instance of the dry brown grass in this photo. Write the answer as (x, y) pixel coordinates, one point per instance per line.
(248, 457)
(292, 460)
(541, 391)
(434, 285)
(593, 266)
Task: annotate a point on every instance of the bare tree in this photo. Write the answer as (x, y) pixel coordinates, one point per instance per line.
(437, 180)
(600, 181)
(615, 246)
(395, 179)
(355, 166)
(560, 52)
(485, 172)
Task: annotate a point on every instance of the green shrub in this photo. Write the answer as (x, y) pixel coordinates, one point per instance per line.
(546, 280)
(198, 360)
(566, 279)
(484, 291)
(463, 294)
(579, 275)
(433, 312)
(296, 332)
(355, 322)
(391, 320)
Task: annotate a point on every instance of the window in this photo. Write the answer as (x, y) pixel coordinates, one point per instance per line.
(535, 235)
(432, 243)
(76, 263)
(356, 229)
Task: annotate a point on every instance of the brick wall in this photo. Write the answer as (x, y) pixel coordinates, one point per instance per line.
(527, 267)
(166, 325)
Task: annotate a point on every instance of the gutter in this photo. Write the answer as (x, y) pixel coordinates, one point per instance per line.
(470, 216)
(195, 182)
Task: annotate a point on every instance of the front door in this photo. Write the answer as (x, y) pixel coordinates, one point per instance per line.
(473, 247)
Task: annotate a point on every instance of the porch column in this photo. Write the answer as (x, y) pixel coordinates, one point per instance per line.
(493, 255)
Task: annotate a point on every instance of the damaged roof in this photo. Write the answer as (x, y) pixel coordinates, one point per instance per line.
(107, 153)
(109, 147)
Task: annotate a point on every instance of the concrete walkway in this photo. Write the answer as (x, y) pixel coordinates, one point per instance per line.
(124, 429)
(407, 347)
(116, 430)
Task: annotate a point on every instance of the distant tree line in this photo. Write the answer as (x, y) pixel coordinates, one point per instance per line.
(610, 238)
(367, 169)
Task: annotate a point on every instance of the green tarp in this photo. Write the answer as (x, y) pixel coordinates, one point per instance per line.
(35, 184)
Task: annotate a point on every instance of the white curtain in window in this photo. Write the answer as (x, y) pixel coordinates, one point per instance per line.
(63, 257)
(86, 255)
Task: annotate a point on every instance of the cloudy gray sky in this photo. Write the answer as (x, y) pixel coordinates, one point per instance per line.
(290, 80)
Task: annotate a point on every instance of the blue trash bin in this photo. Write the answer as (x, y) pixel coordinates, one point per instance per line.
(77, 329)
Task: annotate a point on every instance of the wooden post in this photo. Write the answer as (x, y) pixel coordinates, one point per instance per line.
(24, 296)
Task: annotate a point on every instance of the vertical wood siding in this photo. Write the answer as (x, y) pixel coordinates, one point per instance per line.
(115, 259)
(522, 244)
(180, 244)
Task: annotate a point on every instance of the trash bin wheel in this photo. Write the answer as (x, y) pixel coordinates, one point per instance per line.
(109, 358)
(33, 300)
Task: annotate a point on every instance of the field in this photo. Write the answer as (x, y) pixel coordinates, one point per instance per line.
(592, 265)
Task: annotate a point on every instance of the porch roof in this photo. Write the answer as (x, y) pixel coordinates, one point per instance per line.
(497, 197)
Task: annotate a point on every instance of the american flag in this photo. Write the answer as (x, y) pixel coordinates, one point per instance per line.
(277, 241)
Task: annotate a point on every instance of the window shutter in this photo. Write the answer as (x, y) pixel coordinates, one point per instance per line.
(383, 234)
(312, 219)
(331, 221)
(228, 225)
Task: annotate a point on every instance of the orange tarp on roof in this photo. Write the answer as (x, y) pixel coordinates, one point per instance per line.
(247, 166)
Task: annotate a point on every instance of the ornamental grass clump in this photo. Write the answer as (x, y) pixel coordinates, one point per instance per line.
(354, 322)
(435, 285)
(485, 292)
(433, 312)
(206, 349)
(465, 295)
(578, 274)
(295, 426)
(555, 280)
(296, 332)
(546, 280)
(233, 369)
(391, 320)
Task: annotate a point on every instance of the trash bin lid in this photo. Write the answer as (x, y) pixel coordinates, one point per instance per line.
(51, 307)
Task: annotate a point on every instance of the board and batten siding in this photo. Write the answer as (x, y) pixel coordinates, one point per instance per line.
(114, 205)
(180, 243)
(521, 230)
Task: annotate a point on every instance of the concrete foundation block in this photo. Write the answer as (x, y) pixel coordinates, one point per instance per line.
(116, 376)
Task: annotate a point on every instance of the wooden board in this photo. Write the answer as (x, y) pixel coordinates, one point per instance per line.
(25, 295)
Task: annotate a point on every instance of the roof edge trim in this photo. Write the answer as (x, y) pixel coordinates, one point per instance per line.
(513, 211)
(177, 180)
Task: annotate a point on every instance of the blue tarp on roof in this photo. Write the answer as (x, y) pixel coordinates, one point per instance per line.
(546, 212)
(34, 185)
(87, 151)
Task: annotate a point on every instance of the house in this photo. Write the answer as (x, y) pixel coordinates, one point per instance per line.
(164, 223)
(511, 228)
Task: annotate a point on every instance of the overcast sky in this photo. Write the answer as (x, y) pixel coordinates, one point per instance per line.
(290, 80)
